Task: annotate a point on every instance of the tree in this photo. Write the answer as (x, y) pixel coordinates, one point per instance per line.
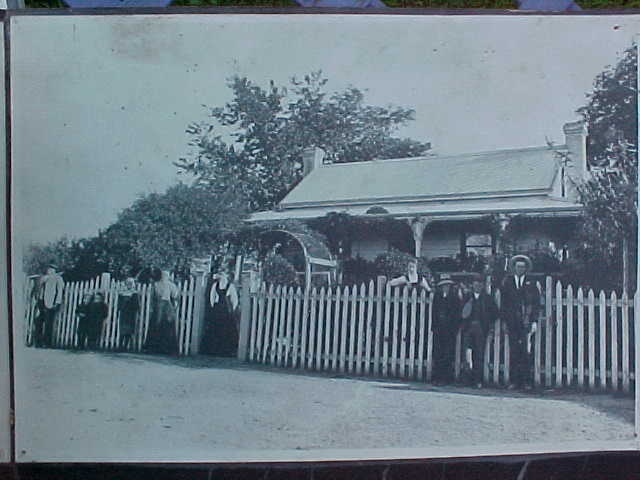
(256, 140)
(611, 111)
(37, 256)
(168, 229)
(164, 230)
(609, 195)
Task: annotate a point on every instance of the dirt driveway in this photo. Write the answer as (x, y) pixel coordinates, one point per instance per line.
(78, 406)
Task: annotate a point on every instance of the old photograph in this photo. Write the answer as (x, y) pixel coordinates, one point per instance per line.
(242, 237)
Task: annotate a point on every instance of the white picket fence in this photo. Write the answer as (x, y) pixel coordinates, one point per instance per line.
(66, 323)
(347, 330)
(583, 340)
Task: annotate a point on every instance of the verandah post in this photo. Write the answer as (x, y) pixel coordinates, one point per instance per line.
(245, 317)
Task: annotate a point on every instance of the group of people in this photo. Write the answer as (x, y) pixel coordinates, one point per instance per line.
(474, 311)
(220, 330)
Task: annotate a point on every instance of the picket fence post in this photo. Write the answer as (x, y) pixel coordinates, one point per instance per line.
(245, 318)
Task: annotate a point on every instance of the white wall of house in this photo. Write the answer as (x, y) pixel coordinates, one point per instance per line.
(369, 248)
(440, 244)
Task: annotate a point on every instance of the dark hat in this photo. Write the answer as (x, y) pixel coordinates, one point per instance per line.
(477, 277)
(444, 279)
(520, 258)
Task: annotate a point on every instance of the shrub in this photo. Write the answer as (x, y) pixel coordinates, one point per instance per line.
(358, 270)
(277, 270)
(395, 263)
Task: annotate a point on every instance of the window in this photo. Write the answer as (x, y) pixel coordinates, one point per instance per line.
(478, 244)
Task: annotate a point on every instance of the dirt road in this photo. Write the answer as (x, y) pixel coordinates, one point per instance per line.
(123, 406)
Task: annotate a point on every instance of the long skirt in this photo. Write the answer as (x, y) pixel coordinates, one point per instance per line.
(220, 336)
(161, 337)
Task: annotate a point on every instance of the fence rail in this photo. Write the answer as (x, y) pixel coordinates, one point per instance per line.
(66, 322)
(583, 339)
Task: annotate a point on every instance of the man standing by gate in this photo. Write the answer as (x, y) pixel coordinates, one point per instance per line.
(520, 305)
(50, 292)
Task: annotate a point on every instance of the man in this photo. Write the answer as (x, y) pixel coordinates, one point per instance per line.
(520, 305)
(478, 315)
(446, 321)
(50, 294)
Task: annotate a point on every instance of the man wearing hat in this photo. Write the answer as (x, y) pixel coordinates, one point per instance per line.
(478, 315)
(520, 305)
(446, 321)
(50, 292)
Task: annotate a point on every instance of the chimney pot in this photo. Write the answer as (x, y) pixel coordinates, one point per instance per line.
(312, 158)
(576, 141)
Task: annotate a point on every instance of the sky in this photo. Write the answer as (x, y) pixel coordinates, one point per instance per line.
(100, 104)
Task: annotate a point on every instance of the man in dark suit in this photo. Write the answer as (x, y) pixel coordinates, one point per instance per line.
(478, 315)
(520, 305)
(446, 321)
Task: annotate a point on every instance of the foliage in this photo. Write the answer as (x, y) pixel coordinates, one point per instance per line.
(270, 127)
(609, 195)
(358, 270)
(612, 109)
(37, 256)
(394, 263)
(163, 230)
(342, 229)
(277, 270)
(167, 229)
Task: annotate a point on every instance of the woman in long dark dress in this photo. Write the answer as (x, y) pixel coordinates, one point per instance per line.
(161, 337)
(220, 336)
(128, 307)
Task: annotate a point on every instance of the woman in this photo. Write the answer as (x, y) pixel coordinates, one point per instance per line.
(162, 328)
(220, 336)
(128, 308)
(411, 278)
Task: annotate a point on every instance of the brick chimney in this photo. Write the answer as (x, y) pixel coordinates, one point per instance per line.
(576, 140)
(312, 158)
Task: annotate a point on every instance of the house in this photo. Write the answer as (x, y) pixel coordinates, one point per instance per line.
(450, 205)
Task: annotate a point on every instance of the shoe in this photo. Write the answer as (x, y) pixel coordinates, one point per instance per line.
(479, 385)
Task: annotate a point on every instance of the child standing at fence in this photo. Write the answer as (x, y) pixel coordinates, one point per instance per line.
(128, 307)
(82, 310)
(92, 315)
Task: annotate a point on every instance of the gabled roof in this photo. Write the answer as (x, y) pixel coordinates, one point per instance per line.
(498, 173)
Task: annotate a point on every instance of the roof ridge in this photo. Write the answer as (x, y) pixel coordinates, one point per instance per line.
(470, 155)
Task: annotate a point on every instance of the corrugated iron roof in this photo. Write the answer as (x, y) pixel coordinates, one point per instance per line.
(537, 205)
(498, 172)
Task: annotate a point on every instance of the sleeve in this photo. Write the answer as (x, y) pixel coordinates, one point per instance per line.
(59, 290)
(232, 293)
(398, 281)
